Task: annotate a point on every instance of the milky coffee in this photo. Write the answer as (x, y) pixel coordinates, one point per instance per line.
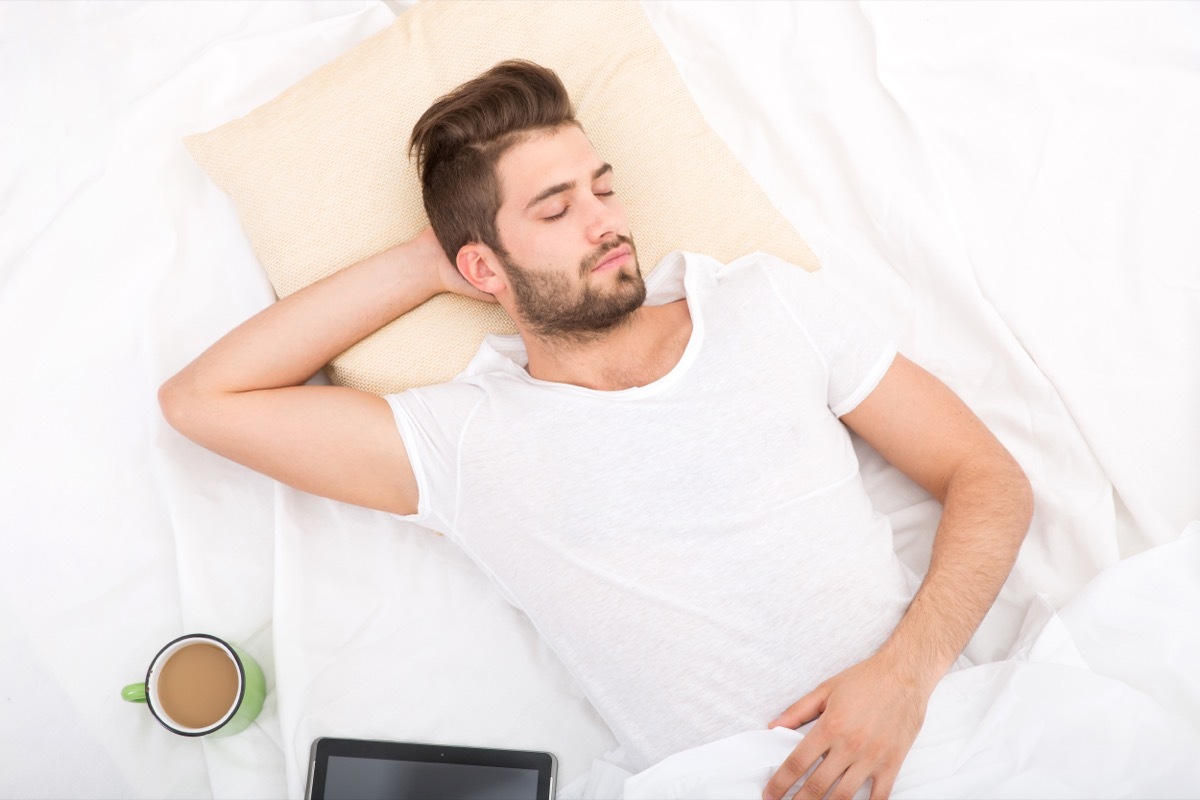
(197, 685)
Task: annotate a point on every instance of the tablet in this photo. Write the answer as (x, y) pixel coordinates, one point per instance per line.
(360, 769)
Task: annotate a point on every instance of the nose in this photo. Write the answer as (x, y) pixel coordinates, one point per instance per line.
(606, 218)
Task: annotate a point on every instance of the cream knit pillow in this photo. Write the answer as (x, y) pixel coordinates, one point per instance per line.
(321, 178)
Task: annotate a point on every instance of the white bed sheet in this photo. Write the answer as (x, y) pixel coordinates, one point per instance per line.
(1009, 187)
(119, 261)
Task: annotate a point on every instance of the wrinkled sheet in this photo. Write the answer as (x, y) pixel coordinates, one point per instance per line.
(1010, 188)
(119, 262)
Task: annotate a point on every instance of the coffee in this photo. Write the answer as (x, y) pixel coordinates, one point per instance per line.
(197, 685)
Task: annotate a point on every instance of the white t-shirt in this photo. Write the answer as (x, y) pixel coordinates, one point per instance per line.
(700, 551)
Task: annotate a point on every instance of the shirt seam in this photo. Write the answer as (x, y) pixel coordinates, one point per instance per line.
(458, 469)
(799, 324)
(868, 384)
(408, 437)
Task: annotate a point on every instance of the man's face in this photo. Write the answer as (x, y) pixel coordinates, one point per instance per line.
(570, 260)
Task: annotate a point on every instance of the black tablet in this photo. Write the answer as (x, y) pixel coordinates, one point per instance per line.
(360, 769)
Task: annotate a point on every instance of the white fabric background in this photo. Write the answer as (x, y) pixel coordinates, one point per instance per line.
(1010, 187)
(118, 263)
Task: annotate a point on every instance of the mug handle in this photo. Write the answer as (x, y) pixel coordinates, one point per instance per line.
(134, 693)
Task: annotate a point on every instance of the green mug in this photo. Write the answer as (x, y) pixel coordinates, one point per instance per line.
(199, 685)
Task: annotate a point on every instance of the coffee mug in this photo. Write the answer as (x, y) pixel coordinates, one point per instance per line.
(199, 685)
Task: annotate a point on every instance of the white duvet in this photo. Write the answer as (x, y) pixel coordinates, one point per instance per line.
(1010, 188)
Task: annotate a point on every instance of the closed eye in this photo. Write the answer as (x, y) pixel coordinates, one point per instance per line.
(563, 213)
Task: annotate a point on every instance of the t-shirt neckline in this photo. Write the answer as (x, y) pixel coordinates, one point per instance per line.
(511, 350)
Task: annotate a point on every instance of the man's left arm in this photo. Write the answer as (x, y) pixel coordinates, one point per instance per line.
(870, 714)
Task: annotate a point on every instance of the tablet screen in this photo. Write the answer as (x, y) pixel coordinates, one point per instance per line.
(356, 769)
(375, 779)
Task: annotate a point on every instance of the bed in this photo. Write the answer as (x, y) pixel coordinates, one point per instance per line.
(1010, 189)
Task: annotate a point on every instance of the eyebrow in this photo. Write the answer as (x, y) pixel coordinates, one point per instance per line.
(563, 187)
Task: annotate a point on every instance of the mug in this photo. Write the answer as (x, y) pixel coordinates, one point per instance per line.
(199, 685)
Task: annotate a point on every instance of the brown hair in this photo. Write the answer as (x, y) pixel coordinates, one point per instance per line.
(462, 136)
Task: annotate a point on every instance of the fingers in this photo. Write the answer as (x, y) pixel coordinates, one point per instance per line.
(881, 786)
(833, 766)
(856, 777)
(804, 710)
(806, 754)
(831, 773)
(795, 766)
(852, 780)
(475, 294)
(822, 780)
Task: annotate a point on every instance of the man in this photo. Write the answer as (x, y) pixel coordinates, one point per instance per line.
(659, 474)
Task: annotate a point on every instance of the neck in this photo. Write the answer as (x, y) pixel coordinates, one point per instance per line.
(629, 354)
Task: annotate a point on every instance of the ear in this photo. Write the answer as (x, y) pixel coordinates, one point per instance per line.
(478, 265)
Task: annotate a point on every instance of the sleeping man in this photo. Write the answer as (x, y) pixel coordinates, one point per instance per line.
(659, 473)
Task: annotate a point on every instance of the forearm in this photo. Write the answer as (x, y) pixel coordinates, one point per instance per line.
(288, 342)
(987, 507)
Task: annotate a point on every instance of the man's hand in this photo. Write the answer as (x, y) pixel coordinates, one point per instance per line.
(425, 249)
(870, 715)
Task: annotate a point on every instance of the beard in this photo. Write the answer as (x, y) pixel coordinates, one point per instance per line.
(555, 307)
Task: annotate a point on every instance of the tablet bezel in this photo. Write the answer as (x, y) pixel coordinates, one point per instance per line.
(324, 748)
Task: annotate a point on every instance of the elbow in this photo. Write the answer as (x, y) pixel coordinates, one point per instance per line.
(1018, 496)
(177, 403)
(1026, 500)
(995, 484)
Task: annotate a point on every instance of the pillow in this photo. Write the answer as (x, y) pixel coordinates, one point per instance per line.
(321, 177)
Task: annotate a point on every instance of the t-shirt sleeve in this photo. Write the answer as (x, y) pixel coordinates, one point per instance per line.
(856, 352)
(431, 421)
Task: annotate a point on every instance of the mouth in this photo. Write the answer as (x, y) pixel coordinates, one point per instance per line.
(617, 258)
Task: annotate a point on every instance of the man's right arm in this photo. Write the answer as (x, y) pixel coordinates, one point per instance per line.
(244, 398)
